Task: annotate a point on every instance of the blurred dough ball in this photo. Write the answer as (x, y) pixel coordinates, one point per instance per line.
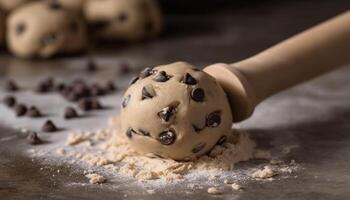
(8, 5)
(44, 29)
(128, 20)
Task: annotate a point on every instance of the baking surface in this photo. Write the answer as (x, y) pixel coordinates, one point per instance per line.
(313, 117)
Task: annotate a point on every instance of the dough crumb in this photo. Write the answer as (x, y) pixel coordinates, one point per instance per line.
(265, 173)
(75, 138)
(235, 186)
(213, 190)
(96, 178)
(226, 181)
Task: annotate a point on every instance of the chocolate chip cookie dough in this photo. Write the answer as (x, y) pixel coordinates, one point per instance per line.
(175, 111)
(128, 20)
(44, 29)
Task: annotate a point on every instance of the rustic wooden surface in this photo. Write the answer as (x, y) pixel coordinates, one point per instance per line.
(316, 115)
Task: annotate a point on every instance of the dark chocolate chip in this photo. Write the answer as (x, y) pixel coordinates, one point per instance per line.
(70, 113)
(133, 80)
(73, 97)
(144, 133)
(196, 128)
(48, 39)
(166, 113)
(146, 72)
(85, 104)
(60, 87)
(148, 92)
(98, 25)
(167, 137)
(222, 140)
(198, 94)
(49, 126)
(110, 87)
(213, 119)
(91, 66)
(9, 101)
(124, 68)
(42, 88)
(20, 28)
(189, 80)
(74, 26)
(126, 100)
(33, 138)
(11, 86)
(130, 132)
(97, 90)
(54, 5)
(161, 77)
(149, 26)
(122, 17)
(20, 110)
(198, 147)
(95, 104)
(33, 112)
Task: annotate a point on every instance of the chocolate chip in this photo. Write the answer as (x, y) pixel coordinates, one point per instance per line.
(222, 140)
(11, 86)
(126, 100)
(42, 88)
(91, 65)
(20, 110)
(54, 5)
(196, 128)
(198, 147)
(167, 137)
(130, 132)
(198, 94)
(144, 133)
(97, 90)
(20, 28)
(49, 126)
(95, 104)
(110, 87)
(196, 69)
(146, 72)
(189, 80)
(60, 87)
(124, 68)
(122, 17)
(33, 112)
(98, 25)
(74, 26)
(166, 113)
(213, 119)
(85, 104)
(9, 101)
(48, 39)
(70, 113)
(33, 138)
(133, 80)
(148, 92)
(161, 77)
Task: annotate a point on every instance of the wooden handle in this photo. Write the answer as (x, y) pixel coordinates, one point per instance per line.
(295, 60)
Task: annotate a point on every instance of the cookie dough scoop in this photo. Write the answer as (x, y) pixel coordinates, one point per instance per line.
(178, 111)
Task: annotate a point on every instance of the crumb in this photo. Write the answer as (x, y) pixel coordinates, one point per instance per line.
(235, 186)
(61, 151)
(213, 190)
(96, 178)
(75, 138)
(265, 173)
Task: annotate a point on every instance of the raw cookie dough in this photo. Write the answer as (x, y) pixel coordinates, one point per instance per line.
(175, 111)
(9, 5)
(43, 29)
(128, 20)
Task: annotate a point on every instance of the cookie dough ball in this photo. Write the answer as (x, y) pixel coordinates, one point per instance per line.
(127, 20)
(175, 111)
(8, 5)
(43, 29)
